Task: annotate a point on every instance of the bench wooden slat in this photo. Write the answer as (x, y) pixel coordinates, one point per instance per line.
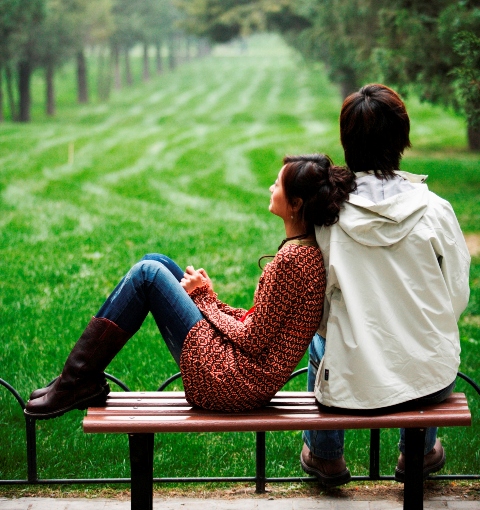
(189, 411)
(265, 412)
(152, 413)
(156, 399)
(182, 402)
(181, 394)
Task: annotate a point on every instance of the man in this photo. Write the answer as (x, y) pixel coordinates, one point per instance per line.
(397, 281)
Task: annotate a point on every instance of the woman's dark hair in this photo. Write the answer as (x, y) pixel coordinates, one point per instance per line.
(374, 130)
(322, 186)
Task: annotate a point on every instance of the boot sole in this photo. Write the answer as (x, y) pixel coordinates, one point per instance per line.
(327, 481)
(44, 391)
(97, 400)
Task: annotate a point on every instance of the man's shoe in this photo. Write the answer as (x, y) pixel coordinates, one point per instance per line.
(329, 472)
(433, 461)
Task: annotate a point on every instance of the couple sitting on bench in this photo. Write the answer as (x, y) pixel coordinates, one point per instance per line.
(374, 268)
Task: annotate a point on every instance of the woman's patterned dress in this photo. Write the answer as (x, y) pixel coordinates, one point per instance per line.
(233, 361)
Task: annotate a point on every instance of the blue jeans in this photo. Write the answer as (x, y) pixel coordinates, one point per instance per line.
(329, 444)
(152, 285)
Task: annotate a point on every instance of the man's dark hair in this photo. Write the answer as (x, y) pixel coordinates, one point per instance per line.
(374, 130)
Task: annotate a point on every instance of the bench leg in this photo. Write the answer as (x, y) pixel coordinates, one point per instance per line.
(260, 458)
(413, 486)
(141, 467)
(374, 471)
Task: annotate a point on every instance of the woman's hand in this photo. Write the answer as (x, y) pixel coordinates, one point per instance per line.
(208, 281)
(193, 278)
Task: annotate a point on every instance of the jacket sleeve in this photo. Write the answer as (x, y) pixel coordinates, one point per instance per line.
(280, 288)
(237, 313)
(454, 259)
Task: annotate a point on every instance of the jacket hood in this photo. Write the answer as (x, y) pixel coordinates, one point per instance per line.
(386, 222)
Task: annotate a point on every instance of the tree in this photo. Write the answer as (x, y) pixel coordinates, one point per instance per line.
(25, 45)
(19, 20)
(93, 26)
(467, 45)
(419, 51)
(204, 18)
(125, 33)
(11, 19)
(158, 22)
(223, 20)
(55, 42)
(342, 34)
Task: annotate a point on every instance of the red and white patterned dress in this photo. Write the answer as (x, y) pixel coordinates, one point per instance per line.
(232, 365)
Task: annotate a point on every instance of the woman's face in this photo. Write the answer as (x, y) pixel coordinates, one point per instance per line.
(278, 202)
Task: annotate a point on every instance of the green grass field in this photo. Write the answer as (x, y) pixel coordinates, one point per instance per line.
(180, 165)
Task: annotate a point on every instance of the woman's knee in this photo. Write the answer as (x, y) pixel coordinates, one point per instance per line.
(172, 266)
(146, 271)
(154, 256)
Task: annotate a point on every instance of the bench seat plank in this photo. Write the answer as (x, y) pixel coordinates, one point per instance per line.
(151, 412)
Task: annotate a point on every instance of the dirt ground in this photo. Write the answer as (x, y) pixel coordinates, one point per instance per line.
(364, 491)
(361, 491)
(473, 243)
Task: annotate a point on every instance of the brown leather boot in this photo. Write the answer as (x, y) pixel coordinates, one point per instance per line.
(80, 384)
(433, 461)
(329, 472)
(43, 391)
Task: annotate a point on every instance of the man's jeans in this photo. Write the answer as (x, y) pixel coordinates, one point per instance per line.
(152, 285)
(328, 444)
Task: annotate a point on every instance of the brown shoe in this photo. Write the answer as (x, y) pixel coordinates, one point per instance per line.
(433, 461)
(329, 472)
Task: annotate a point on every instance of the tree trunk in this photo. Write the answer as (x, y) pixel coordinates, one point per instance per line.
(128, 68)
(203, 47)
(474, 138)
(11, 98)
(49, 75)
(104, 76)
(2, 118)
(82, 83)
(24, 75)
(348, 83)
(116, 67)
(158, 57)
(172, 61)
(146, 68)
(188, 48)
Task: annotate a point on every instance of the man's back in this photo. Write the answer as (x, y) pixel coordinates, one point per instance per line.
(397, 267)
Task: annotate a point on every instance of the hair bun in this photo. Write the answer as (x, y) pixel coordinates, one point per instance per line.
(322, 186)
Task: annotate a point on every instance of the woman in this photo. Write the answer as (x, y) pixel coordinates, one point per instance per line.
(230, 359)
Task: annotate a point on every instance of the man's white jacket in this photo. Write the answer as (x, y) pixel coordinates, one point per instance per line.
(398, 269)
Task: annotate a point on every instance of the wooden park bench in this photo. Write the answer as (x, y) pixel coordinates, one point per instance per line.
(142, 414)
